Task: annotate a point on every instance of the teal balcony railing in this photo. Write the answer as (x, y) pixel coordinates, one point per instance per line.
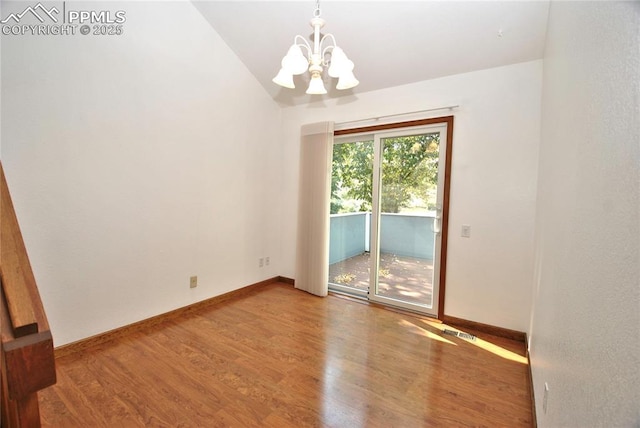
(408, 235)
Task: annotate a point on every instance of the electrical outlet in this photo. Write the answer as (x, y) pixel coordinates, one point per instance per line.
(466, 231)
(260, 262)
(266, 261)
(193, 282)
(545, 397)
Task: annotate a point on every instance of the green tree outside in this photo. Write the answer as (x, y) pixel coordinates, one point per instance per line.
(409, 172)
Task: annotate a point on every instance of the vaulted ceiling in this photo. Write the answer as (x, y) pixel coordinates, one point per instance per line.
(391, 42)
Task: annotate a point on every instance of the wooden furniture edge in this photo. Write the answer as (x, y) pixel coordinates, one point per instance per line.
(21, 295)
(23, 413)
(29, 364)
(486, 328)
(82, 344)
(27, 357)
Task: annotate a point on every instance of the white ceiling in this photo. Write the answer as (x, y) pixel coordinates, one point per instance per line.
(391, 42)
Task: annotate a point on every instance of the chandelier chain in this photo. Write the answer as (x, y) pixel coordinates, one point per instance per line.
(316, 13)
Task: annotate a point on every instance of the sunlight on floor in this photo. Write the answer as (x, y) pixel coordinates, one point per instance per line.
(426, 333)
(483, 344)
(409, 294)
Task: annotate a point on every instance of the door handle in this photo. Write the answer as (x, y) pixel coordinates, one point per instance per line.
(437, 224)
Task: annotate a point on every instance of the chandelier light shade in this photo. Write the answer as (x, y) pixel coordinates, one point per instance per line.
(316, 85)
(324, 53)
(284, 79)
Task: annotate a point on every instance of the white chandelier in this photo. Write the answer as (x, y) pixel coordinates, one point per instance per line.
(295, 63)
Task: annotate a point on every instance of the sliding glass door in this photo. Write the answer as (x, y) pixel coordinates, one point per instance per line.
(387, 209)
(350, 223)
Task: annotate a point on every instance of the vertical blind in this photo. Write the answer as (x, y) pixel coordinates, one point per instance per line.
(312, 255)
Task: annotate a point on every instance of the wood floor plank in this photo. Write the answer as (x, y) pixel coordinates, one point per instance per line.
(283, 358)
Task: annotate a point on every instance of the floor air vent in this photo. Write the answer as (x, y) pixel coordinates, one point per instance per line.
(459, 334)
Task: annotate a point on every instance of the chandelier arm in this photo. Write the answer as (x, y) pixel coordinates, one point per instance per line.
(326, 36)
(304, 41)
(324, 53)
(304, 44)
(326, 49)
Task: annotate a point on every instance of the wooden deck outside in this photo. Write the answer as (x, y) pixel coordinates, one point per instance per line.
(408, 279)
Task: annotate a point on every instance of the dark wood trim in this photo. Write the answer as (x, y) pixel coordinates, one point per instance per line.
(445, 217)
(448, 120)
(534, 419)
(286, 280)
(485, 328)
(119, 332)
(395, 125)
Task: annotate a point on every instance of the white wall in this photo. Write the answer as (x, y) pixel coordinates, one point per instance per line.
(586, 316)
(495, 152)
(136, 161)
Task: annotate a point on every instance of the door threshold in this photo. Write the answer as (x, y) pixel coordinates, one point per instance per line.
(396, 309)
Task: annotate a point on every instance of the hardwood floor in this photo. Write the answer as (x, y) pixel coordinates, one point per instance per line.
(280, 357)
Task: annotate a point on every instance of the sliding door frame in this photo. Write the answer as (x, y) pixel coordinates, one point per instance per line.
(448, 120)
